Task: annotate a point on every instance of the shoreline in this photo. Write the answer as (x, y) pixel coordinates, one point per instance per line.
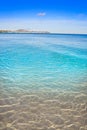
(44, 33)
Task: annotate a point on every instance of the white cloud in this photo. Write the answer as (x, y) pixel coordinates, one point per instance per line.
(41, 14)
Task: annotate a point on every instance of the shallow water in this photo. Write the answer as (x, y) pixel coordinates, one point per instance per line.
(43, 82)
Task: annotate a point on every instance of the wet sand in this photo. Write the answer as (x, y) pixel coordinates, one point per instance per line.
(43, 110)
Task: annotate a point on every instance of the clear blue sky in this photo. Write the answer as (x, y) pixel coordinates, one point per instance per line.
(66, 16)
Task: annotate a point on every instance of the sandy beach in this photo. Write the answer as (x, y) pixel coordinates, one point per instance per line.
(43, 110)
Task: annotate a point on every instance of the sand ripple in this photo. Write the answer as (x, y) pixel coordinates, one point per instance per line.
(44, 111)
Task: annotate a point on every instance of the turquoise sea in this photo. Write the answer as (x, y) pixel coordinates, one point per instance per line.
(45, 72)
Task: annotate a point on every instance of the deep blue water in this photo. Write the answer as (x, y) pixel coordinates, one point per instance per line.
(43, 61)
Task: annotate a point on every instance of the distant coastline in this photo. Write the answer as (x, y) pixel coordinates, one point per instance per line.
(23, 31)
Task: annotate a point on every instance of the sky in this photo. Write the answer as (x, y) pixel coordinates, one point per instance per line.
(57, 16)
